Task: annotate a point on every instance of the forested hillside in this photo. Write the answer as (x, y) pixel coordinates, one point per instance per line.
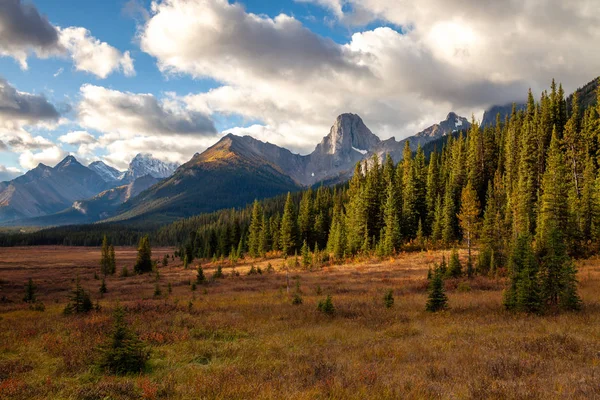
(528, 176)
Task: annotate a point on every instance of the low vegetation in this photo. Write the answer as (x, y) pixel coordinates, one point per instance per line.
(244, 336)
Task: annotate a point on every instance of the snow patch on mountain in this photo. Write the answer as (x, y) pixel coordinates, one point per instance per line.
(106, 172)
(146, 164)
(360, 151)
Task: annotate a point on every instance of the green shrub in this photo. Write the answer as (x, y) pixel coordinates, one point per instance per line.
(123, 353)
(326, 306)
(388, 299)
(79, 301)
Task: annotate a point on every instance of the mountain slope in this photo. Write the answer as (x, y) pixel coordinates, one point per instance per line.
(229, 174)
(99, 207)
(106, 172)
(45, 190)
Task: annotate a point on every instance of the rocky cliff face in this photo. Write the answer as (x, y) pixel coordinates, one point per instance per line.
(145, 164)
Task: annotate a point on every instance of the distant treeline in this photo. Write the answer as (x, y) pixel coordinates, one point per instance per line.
(533, 172)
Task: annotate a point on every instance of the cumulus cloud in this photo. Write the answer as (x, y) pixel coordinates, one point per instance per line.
(132, 123)
(49, 156)
(8, 173)
(436, 57)
(77, 137)
(131, 114)
(20, 107)
(23, 31)
(94, 56)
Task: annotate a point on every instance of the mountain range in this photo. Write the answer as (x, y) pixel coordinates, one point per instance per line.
(231, 173)
(45, 191)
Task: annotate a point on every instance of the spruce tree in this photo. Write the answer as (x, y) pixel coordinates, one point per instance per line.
(523, 293)
(255, 228)
(288, 229)
(263, 237)
(437, 299)
(200, 277)
(306, 258)
(410, 198)
(30, 292)
(79, 300)
(336, 244)
(143, 261)
(469, 215)
(306, 216)
(391, 235)
(105, 266)
(112, 259)
(123, 352)
(553, 203)
(454, 266)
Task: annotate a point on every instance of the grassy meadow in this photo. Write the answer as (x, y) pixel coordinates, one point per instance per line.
(241, 337)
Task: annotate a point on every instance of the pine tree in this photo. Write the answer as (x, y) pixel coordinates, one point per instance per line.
(553, 204)
(410, 214)
(336, 244)
(287, 236)
(391, 235)
(263, 237)
(105, 257)
(557, 273)
(454, 266)
(79, 300)
(112, 259)
(433, 189)
(103, 288)
(143, 262)
(30, 292)
(200, 277)
(306, 216)
(437, 300)
(523, 293)
(469, 215)
(123, 353)
(306, 259)
(388, 299)
(448, 216)
(588, 205)
(437, 229)
(255, 228)
(356, 223)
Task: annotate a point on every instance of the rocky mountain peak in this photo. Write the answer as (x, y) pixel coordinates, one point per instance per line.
(452, 123)
(348, 134)
(146, 164)
(67, 162)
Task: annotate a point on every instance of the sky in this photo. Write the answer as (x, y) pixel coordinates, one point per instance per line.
(106, 80)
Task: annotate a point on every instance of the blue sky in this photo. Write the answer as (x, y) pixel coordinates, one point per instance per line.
(171, 80)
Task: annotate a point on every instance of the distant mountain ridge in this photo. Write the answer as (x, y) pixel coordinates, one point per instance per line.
(231, 173)
(70, 188)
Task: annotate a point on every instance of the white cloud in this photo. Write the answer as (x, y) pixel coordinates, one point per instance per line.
(91, 55)
(49, 156)
(8, 173)
(23, 30)
(59, 72)
(134, 123)
(77, 137)
(459, 55)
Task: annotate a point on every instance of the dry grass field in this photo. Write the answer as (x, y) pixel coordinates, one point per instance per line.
(241, 337)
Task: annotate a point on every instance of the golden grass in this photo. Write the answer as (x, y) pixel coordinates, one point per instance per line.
(240, 337)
